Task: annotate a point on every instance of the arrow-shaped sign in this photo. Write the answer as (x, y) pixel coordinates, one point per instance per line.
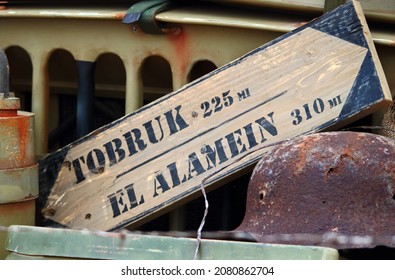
(323, 74)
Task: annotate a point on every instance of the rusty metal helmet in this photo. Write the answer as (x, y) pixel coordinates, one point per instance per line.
(333, 184)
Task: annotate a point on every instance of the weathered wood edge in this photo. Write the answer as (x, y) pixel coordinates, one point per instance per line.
(372, 48)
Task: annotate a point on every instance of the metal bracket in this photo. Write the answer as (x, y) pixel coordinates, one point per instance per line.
(144, 13)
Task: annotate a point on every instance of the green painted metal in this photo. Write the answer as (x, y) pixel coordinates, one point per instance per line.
(68, 243)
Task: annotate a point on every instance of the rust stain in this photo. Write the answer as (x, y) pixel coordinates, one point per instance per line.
(22, 141)
(30, 196)
(20, 154)
(179, 39)
(120, 15)
(300, 24)
(302, 149)
(7, 113)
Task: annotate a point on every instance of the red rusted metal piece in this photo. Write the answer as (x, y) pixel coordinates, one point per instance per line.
(16, 135)
(335, 182)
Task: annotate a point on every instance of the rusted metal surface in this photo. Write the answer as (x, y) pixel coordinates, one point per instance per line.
(16, 140)
(18, 168)
(334, 183)
(16, 128)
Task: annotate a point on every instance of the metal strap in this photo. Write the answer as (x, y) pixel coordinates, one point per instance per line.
(144, 13)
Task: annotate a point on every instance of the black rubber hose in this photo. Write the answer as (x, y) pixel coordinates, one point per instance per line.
(85, 97)
(4, 74)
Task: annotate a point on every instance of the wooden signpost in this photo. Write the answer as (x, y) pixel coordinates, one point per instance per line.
(322, 74)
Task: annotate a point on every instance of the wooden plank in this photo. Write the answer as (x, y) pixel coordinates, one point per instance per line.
(321, 75)
(48, 242)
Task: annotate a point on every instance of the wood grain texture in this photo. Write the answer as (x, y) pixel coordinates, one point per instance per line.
(321, 75)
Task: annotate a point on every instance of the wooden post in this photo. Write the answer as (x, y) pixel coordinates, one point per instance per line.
(321, 75)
